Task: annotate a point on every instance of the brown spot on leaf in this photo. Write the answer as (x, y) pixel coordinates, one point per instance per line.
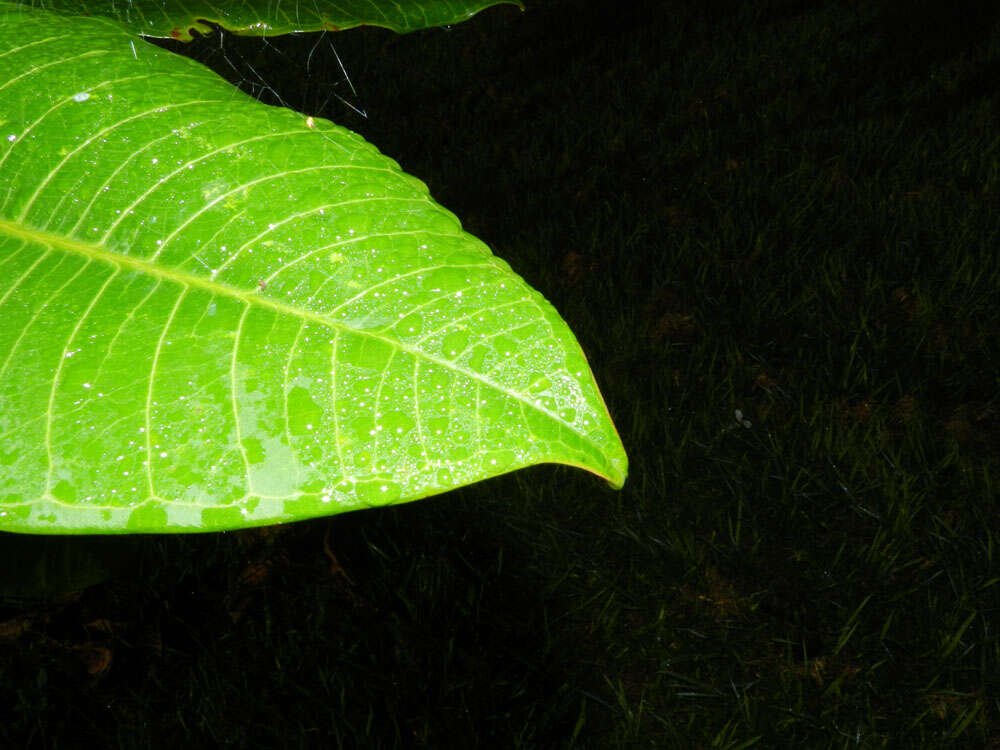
(668, 319)
(96, 659)
(14, 628)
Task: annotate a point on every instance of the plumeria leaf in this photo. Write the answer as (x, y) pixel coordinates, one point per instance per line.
(178, 18)
(216, 313)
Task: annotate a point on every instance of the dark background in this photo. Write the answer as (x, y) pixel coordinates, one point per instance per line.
(782, 208)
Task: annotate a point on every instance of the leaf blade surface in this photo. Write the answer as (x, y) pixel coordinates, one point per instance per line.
(177, 19)
(217, 313)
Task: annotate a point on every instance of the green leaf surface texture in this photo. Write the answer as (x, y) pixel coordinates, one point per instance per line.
(215, 313)
(178, 18)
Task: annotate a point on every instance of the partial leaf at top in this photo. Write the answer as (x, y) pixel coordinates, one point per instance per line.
(217, 313)
(178, 18)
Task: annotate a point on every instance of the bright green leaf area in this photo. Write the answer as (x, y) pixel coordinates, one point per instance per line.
(177, 19)
(216, 313)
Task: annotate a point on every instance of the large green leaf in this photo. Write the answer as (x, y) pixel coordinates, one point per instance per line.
(215, 313)
(178, 18)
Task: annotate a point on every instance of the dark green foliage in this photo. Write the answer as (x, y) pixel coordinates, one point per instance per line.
(793, 214)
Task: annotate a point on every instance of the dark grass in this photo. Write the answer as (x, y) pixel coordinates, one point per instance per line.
(789, 211)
